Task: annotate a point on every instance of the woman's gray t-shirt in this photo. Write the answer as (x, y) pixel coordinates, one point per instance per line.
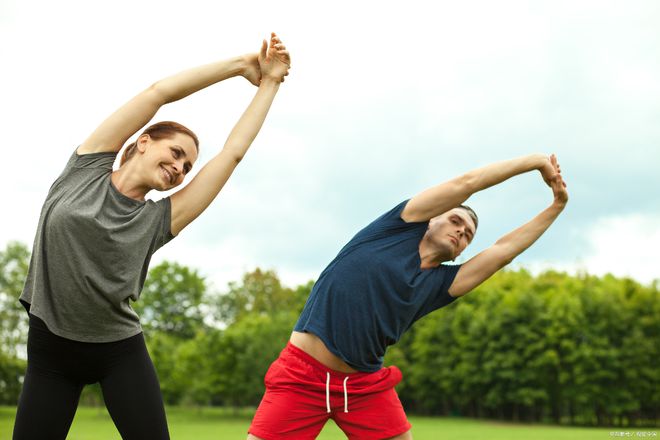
(91, 253)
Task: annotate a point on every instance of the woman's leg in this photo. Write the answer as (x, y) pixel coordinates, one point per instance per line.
(49, 397)
(132, 394)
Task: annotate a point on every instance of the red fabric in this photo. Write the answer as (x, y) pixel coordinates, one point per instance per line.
(294, 405)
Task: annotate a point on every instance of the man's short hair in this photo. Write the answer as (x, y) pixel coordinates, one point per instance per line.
(472, 214)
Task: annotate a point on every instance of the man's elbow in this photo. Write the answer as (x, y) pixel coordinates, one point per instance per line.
(466, 184)
(505, 254)
(506, 261)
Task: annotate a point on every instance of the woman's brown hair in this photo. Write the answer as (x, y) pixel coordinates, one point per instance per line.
(158, 131)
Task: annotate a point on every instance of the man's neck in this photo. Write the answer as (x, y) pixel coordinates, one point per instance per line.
(429, 256)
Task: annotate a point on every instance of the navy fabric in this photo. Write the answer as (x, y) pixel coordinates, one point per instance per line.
(374, 290)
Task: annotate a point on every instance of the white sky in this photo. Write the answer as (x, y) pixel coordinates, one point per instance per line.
(384, 99)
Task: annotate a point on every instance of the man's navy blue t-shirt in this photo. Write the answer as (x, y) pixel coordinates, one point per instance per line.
(374, 290)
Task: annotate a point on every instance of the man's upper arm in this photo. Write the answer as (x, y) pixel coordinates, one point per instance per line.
(478, 269)
(435, 200)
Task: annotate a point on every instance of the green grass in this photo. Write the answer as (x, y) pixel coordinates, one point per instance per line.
(220, 424)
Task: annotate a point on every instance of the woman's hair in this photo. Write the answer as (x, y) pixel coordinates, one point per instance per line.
(158, 131)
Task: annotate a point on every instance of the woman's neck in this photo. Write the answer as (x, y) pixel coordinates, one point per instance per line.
(127, 183)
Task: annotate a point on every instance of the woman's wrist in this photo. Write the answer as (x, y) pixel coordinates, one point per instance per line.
(271, 80)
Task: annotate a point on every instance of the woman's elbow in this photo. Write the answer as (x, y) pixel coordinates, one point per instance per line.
(233, 154)
(158, 93)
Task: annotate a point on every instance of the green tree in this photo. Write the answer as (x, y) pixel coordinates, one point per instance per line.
(165, 350)
(260, 313)
(206, 365)
(239, 360)
(172, 301)
(577, 348)
(260, 293)
(14, 260)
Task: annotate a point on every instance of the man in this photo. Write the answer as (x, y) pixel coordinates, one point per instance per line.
(387, 277)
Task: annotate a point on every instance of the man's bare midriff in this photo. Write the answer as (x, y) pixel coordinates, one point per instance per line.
(314, 346)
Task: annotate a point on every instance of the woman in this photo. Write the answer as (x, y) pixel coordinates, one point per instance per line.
(95, 237)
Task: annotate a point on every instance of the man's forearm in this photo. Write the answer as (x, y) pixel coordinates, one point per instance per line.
(441, 198)
(515, 242)
(489, 175)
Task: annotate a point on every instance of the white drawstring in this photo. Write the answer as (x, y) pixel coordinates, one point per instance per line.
(345, 395)
(327, 391)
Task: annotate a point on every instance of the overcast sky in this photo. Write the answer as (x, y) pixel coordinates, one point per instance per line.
(384, 99)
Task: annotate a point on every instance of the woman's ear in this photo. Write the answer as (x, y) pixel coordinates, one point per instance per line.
(141, 142)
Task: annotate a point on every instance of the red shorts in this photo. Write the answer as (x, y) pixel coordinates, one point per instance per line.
(302, 394)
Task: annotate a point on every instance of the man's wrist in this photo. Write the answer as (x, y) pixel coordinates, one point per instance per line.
(538, 160)
(243, 63)
(558, 205)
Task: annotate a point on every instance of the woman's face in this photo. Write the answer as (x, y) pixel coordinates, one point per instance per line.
(167, 161)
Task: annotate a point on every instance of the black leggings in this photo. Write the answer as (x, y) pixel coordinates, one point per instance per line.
(59, 368)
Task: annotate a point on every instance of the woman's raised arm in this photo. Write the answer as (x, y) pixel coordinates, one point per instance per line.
(111, 135)
(191, 201)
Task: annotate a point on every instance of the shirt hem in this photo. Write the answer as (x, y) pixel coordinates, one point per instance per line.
(319, 334)
(73, 336)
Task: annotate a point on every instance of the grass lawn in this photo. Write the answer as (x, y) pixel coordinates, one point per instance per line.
(220, 424)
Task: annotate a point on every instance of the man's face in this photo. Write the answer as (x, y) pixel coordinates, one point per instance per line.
(451, 232)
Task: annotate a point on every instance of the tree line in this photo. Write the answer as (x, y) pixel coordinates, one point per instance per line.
(568, 349)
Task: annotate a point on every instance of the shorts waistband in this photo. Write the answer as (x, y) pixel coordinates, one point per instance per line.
(322, 368)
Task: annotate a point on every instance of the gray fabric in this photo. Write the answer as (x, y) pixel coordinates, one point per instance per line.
(91, 253)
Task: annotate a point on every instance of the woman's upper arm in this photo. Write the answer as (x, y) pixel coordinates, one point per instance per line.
(111, 135)
(191, 201)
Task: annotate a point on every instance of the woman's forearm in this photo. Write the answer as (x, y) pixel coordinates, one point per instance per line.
(189, 81)
(252, 119)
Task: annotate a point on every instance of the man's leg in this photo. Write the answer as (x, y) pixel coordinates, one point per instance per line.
(294, 404)
(370, 409)
(405, 436)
